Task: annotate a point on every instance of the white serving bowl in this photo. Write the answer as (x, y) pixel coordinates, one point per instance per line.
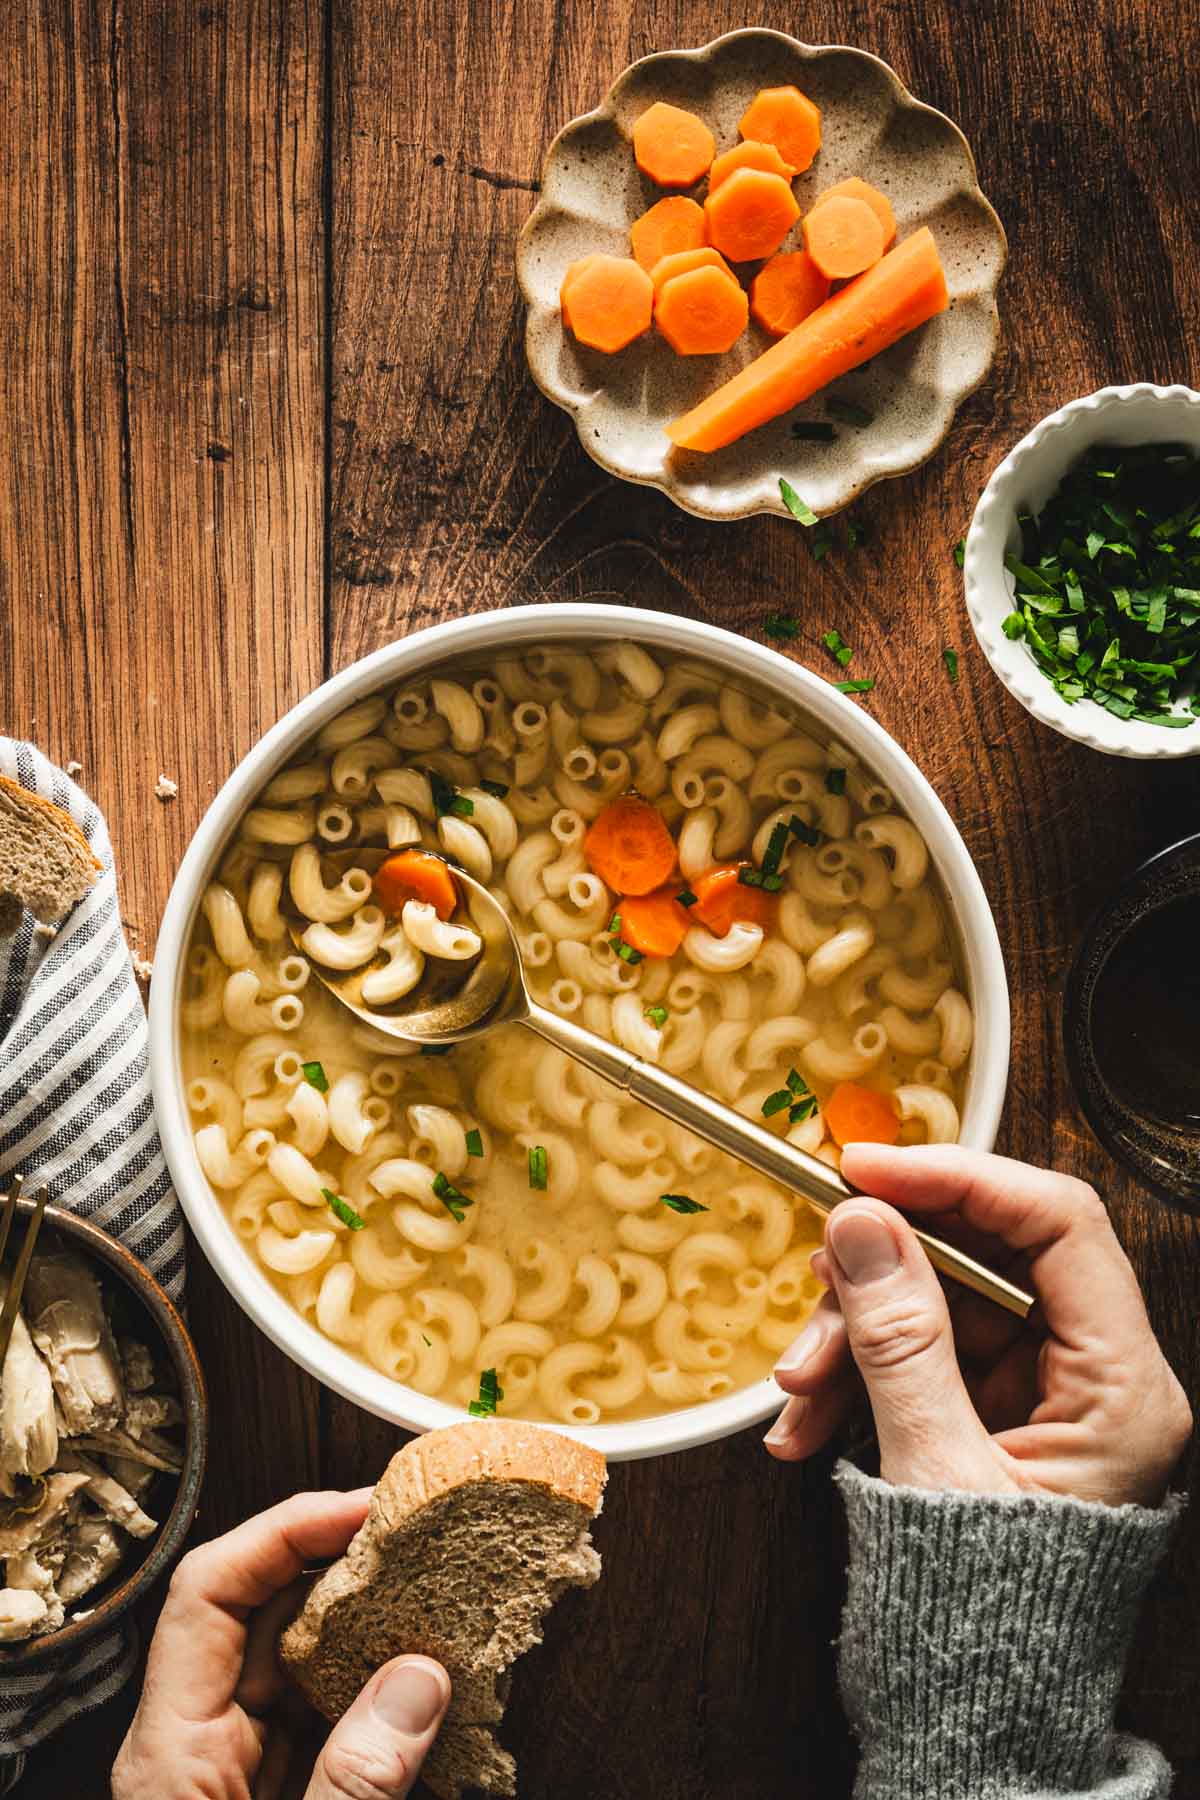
(1024, 481)
(476, 639)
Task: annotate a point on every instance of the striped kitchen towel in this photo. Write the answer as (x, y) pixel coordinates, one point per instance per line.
(76, 1114)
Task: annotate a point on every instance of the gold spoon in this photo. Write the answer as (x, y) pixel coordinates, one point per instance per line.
(458, 1000)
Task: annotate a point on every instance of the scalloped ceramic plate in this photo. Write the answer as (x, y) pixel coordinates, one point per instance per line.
(1024, 481)
(871, 126)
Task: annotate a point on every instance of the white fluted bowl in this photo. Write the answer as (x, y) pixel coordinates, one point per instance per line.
(1024, 481)
(476, 640)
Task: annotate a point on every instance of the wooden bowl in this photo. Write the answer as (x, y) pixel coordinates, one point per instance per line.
(162, 1327)
(871, 126)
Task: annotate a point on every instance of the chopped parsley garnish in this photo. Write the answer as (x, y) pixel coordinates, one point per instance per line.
(960, 552)
(775, 1103)
(496, 788)
(848, 412)
(798, 508)
(1107, 583)
(342, 1209)
(657, 1015)
(428, 1342)
(454, 1202)
(862, 686)
(614, 924)
(950, 658)
(781, 626)
(835, 781)
(750, 877)
(628, 954)
(314, 1074)
(474, 1142)
(461, 806)
(808, 834)
(686, 897)
(837, 647)
(816, 430)
(441, 791)
(490, 1396)
(821, 543)
(682, 1203)
(776, 845)
(796, 1098)
(855, 535)
(539, 1167)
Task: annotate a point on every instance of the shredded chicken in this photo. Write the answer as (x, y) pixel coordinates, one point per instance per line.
(165, 788)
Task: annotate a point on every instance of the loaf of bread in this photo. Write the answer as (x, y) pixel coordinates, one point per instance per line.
(473, 1533)
(45, 862)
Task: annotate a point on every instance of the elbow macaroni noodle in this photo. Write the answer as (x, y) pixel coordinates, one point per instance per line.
(590, 1298)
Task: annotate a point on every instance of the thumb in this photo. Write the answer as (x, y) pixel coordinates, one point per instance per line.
(376, 1749)
(898, 1325)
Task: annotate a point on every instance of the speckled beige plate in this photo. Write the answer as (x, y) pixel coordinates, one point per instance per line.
(871, 126)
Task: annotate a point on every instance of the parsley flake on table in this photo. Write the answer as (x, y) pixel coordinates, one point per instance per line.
(837, 647)
(782, 627)
(950, 658)
(862, 686)
(1107, 584)
(960, 552)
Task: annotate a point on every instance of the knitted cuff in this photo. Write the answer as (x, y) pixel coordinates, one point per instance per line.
(984, 1641)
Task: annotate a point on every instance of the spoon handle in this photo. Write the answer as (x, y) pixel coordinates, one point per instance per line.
(772, 1156)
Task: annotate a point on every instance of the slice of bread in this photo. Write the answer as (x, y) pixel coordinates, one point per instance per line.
(473, 1533)
(45, 862)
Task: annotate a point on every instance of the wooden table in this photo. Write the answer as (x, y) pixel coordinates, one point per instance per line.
(264, 408)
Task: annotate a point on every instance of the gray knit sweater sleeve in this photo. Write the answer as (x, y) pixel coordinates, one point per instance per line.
(984, 1640)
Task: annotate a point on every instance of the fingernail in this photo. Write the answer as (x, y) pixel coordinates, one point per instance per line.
(785, 1425)
(802, 1350)
(409, 1699)
(865, 1248)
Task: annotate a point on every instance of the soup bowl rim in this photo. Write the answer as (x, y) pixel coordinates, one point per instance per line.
(514, 630)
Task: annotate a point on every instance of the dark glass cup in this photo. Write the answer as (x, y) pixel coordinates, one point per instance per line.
(1131, 1024)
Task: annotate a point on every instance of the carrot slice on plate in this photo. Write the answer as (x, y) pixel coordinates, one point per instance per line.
(607, 301)
(703, 313)
(843, 237)
(721, 899)
(750, 214)
(856, 189)
(858, 1115)
(671, 225)
(415, 875)
(629, 847)
(785, 117)
(786, 290)
(654, 923)
(748, 156)
(683, 262)
(672, 146)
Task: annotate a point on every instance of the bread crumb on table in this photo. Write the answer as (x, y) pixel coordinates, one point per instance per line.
(45, 931)
(74, 767)
(142, 968)
(165, 788)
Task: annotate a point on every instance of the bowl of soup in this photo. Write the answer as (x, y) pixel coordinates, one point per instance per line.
(495, 1225)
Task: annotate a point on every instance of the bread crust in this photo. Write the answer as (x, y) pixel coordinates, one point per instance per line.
(52, 815)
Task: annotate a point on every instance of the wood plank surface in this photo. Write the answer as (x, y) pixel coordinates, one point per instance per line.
(265, 409)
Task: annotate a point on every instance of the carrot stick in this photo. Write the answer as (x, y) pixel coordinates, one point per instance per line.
(671, 225)
(856, 189)
(606, 301)
(415, 875)
(748, 156)
(843, 237)
(702, 313)
(721, 899)
(629, 847)
(750, 214)
(902, 291)
(683, 262)
(786, 290)
(654, 923)
(858, 1115)
(672, 146)
(785, 117)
